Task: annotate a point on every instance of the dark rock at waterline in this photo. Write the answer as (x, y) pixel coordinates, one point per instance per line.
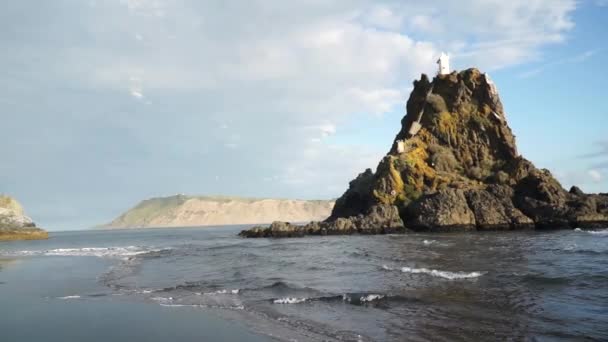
(14, 224)
(380, 219)
(453, 166)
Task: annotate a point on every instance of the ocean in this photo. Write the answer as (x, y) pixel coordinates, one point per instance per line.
(207, 284)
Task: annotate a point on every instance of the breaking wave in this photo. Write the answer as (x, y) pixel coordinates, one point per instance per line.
(593, 232)
(289, 300)
(102, 252)
(69, 297)
(350, 298)
(442, 274)
(234, 291)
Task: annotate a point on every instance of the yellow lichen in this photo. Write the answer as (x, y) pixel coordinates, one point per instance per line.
(446, 125)
(395, 184)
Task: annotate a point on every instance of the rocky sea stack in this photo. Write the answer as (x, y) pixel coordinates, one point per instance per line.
(453, 166)
(14, 224)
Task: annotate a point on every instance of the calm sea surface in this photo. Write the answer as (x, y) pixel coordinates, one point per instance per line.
(207, 284)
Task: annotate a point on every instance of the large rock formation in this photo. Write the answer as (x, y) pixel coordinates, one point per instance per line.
(14, 224)
(454, 166)
(183, 211)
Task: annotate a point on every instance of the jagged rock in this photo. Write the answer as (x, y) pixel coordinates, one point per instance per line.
(255, 232)
(504, 194)
(541, 197)
(494, 210)
(444, 210)
(589, 211)
(356, 199)
(575, 190)
(277, 229)
(381, 219)
(454, 166)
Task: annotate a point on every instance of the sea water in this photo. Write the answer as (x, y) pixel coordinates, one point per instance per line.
(207, 284)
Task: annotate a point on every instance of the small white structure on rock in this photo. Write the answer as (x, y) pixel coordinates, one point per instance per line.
(444, 64)
(400, 146)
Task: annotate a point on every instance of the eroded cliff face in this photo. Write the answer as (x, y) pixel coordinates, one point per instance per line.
(454, 165)
(14, 224)
(184, 211)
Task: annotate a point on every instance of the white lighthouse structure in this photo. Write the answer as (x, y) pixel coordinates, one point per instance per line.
(444, 64)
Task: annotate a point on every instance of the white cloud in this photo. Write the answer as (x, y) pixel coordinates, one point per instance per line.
(579, 58)
(425, 23)
(136, 93)
(383, 16)
(327, 129)
(595, 175)
(284, 75)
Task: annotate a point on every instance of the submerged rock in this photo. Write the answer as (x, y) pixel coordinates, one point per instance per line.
(454, 166)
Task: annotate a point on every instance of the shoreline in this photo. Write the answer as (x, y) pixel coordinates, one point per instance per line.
(23, 234)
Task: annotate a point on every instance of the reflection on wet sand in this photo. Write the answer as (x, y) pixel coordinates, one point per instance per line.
(6, 262)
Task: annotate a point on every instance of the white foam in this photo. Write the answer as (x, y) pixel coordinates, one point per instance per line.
(428, 242)
(592, 232)
(442, 274)
(289, 300)
(384, 267)
(163, 300)
(371, 297)
(224, 291)
(92, 251)
(235, 291)
(175, 305)
(69, 297)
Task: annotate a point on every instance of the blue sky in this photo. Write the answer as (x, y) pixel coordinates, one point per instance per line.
(105, 103)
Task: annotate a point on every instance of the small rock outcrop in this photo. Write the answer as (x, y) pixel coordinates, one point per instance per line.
(380, 219)
(14, 224)
(454, 166)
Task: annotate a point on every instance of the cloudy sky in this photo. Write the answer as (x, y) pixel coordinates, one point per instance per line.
(105, 103)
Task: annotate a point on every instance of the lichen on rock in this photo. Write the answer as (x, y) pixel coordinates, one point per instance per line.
(454, 165)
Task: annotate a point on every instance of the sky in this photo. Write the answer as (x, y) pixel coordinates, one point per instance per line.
(106, 103)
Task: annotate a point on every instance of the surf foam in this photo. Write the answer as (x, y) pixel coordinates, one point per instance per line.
(69, 297)
(92, 251)
(289, 300)
(593, 232)
(442, 274)
(371, 297)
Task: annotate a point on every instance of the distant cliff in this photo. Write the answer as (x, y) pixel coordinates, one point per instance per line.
(183, 211)
(14, 224)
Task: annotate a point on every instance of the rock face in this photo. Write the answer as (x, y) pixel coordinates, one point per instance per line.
(454, 166)
(183, 211)
(14, 224)
(380, 219)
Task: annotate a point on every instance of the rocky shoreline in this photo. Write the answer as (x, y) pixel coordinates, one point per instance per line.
(453, 166)
(15, 225)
